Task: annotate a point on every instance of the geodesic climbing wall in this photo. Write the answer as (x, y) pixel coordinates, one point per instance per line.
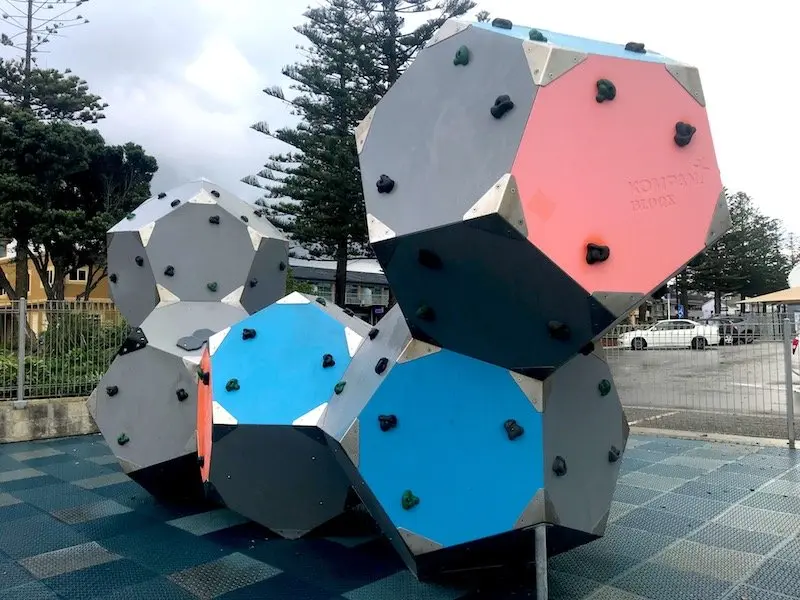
(183, 266)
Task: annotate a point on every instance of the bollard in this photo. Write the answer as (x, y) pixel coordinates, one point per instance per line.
(787, 354)
(21, 339)
(540, 541)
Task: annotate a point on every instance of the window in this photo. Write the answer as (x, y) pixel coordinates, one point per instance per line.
(78, 275)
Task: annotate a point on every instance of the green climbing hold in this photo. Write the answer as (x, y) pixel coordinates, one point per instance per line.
(409, 500)
(123, 439)
(604, 387)
(426, 313)
(461, 57)
(232, 385)
(536, 36)
(212, 287)
(339, 387)
(131, 216)
(321, 301)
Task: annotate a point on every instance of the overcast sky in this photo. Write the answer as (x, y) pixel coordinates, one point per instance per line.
(184, 77)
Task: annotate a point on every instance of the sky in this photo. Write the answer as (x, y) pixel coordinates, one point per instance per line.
(184, 78)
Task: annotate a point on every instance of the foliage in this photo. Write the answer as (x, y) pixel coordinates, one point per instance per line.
(296, 285)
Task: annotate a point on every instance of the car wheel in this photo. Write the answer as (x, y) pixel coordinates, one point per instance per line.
(728, 339)
(699, 343)
(638, 344)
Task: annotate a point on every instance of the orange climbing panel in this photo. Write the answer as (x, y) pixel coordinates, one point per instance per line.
(204, 415)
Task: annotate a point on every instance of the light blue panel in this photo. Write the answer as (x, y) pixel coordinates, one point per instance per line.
(280, 371)
(450, 448)
(580, 44)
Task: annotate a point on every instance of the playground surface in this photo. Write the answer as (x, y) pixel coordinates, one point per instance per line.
(691, 520)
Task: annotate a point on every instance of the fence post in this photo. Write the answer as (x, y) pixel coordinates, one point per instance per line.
(787, 355)
(22, 333)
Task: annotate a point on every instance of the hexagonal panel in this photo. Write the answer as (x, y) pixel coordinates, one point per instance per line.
(134, 289)
(270, 378)
(145, 405)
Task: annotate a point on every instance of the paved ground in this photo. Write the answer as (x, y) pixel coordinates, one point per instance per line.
(691, 520)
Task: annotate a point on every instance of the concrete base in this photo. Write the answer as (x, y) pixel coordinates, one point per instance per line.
(42, 419)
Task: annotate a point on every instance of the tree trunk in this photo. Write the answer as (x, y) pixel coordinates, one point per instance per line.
(683, 293)
(57, 289)
(21, 260)
(340, 283)
(717, 302)
(642, 312)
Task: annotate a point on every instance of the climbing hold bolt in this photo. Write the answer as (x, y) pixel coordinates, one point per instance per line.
(248, 334)
(613, 454)
(201, 461)
(385, 184)
(112, 390)
(373, 333)
(245, 219)
(321, 301)
(212, 286)
(258, 212)
(214, 219)
(381, 365)
(636, 47)
(348, 312)
(684, 133)
(462, 57)
(131, 216)
(182, 394)
(387, 422)
(123, 439)
(605, 90)
(429, 260)
(174, 203)
(426, 313)
(232, 385)
(558, 330)
(327, 361)
(513, 429)
(139, 260)
(559, 466)
(604, 387)
(596, 253)
(281, 266)
(502, 23)
(339, 387)
(587, 349)
(535, 35)
(409, 500)
(161, 196)
(169, 271)
(204, 376)
(113, 278)
(215, 193)
(502, 105)
(253, 282)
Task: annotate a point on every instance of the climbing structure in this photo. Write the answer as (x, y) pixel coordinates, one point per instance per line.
(264, 388)
(183, 266)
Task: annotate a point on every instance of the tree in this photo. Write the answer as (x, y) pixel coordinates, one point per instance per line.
(357, 49)
(295, 285)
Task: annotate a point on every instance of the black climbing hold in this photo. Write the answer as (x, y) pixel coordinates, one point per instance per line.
(637, 47)
(113, 278)
(587, 349)
(161, 196)
(613, 454)
(373, 333)
(683, 133)
(281, 266)
(212, 286)
(535, 35)
(560, 466)
(462, 57)
(327, 361)
(174, 203)
(136, 340)
(232, 385)
(502, 23)
(385, 184)
(513, 429)
(502, 105)
(595, 253)
(205, 376)
(339, 387)
(195, 341)
(409, 500)
(245, 219)
(215, 193)
(605, 90)
(604, 387)
(321, 301)
(201, 461)
(112, 390)
(248, 334)
(429, 260)
(130, 216)
(381, 365)
(387, 422)
(558, 330)
(182, 394)
(169, 271)
(348, 312)
(214, 219)
(139, 260)
(123, 439)
(253, 282)
(426, 313)
(258, 212)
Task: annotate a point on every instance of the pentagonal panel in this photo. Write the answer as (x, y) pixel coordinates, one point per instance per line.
(585, 432)
(636, 185)
(133, 285)
(434, 134)
(272, 375)
(266, 279)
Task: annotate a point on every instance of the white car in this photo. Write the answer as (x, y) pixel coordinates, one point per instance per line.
(673, 333)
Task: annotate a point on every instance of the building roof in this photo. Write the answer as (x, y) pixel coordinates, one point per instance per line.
(362, 270)
(788, 296)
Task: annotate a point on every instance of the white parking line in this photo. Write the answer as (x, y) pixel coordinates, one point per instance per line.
(653, 418)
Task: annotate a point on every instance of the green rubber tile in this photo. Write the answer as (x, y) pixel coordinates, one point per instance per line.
(622, 541)
(778, 576)
(30, 591)
(208, 522)
(734, 538)
(8, 500)
(28, 483)
(764, 521)
(689, 506)
(660, 582)
(759, 459)
(710, 491)
(89, 512)
(782, 487)
(563, 586)
(724, 452)
(719, 563)
(100, 481)
(778, 503)
(674, 445)
(619, 509)
(660, 522)
(152, 589)
(225, 575)
(632, 464)
(99, 581)
(9, 464)
(651, 482)
(607, 592)
(761, 469)
(647, 455)
(674, 471)
(596, 566)
(748, 481)
(57, 497)
(403, 585)
(19, 474)
(104, 459)
(793, 475)
(38, 453)
(35, 535)
(13, 575)
(790, 552)
(630, 494)
(702, 464)
(748, 592)
(67, 560)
